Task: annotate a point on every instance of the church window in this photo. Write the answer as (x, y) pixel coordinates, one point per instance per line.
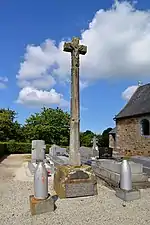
(145, 126)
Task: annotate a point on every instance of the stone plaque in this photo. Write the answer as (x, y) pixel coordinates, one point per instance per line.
(70, 181)
(79, 189)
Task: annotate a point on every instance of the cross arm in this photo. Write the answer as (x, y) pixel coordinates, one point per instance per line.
(68, 47)
(82, 49)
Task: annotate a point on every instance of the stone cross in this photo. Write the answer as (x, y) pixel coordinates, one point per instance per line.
(75, 50)
(95, 147)
(94, 141)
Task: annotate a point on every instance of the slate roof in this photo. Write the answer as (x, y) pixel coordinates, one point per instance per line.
(139, 104)
(113, 131)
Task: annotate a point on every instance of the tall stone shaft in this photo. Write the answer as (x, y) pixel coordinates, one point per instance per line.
(75, 50)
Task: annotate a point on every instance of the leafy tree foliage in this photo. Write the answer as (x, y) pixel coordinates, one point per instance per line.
(103, 140)
(86, 138)
(9, 127)
(51, 125)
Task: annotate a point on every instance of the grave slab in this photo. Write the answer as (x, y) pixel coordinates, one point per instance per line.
(56, 150)
(141, 177)
(71, 181)
(41, 206)
(131, 195)
(114, 166)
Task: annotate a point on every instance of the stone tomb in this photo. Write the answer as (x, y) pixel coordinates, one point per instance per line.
(85, 153)
(56, 150)
(109, 170)
(74, 181)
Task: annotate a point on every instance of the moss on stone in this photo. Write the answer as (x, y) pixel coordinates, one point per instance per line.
(64, 175)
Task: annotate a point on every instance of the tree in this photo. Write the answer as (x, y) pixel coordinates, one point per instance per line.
(86, 138)
(51, 125)
(9, 127)
(103, 140)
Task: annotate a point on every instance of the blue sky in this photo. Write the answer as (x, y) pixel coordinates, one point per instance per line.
(118, 41)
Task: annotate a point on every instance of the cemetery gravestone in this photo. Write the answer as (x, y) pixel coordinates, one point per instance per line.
(38, 150)
(95, 147)
(37, 154)
(56, 150)
(86, 153)
(109, 170)
(74, 182)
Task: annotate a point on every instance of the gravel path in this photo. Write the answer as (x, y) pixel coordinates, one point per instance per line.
(104, 209)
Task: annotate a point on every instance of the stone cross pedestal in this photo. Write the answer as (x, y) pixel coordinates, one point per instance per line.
(75, 49)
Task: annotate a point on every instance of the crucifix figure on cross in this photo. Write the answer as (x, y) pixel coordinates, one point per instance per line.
(75, 49)
(95, 142)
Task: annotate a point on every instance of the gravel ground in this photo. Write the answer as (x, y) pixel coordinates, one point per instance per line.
(103, 209)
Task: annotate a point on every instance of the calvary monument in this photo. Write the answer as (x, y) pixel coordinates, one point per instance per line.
(75, 180)
(75, 49)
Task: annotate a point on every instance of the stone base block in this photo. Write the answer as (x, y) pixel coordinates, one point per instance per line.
(41, 206)
(71, 181)
(134, 194)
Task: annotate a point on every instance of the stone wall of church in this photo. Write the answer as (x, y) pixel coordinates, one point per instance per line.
(129, 138)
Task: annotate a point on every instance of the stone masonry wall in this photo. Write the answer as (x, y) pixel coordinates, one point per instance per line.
(129, 140)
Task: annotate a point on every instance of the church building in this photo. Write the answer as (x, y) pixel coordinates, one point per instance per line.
(131, 136)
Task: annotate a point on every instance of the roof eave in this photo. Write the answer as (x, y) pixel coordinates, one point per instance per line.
(131, 116)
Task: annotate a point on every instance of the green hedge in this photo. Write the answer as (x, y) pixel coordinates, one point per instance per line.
(2, 150)
(13, 147)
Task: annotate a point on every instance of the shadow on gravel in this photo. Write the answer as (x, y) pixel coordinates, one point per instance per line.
(3, 157)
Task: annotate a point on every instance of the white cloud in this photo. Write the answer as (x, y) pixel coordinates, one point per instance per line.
(82, 108)
(118, 41)
(41, 61)
(44, 82)
(83, 84)
(127, 94)
(34, 97)
(3, 81)
(2, 85)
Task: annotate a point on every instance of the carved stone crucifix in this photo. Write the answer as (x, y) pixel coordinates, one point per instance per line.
(94, 141)
(75, 50)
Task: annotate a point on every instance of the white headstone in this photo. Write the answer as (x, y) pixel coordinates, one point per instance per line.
(33, 155)
(38, 150)
(38, 143)
(95, 147)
